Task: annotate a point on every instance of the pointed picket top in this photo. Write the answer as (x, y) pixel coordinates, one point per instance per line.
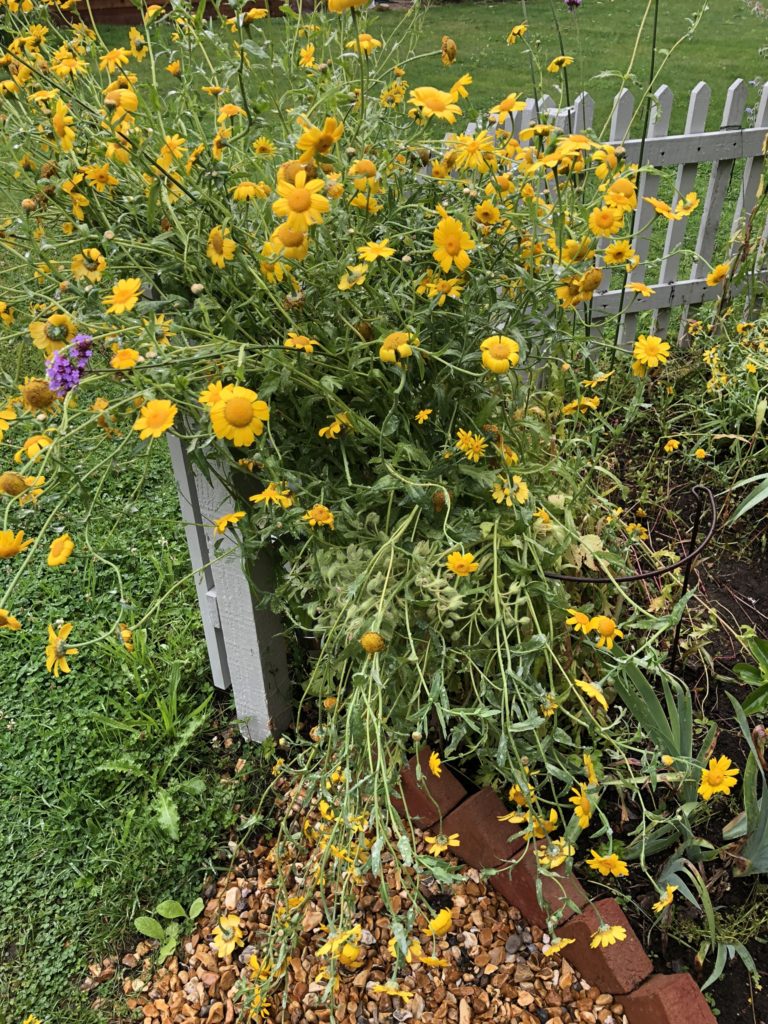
(661, 112)
(583, 112)
(621, 118)
(735, 103)
(546, 108)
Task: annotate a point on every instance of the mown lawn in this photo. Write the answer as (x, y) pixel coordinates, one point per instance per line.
(731, 42)
(88, 761)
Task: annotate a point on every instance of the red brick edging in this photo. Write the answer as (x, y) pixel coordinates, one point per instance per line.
(622, 969)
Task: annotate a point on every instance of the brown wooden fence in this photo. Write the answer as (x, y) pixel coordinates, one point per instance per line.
(128, 12)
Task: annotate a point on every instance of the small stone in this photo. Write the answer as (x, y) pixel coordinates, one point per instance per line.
(231, 897)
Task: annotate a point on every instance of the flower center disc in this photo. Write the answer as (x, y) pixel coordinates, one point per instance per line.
(238, 412)
(289, 238)
(300, 200)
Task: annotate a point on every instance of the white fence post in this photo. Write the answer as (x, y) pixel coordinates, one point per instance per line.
(246, 647)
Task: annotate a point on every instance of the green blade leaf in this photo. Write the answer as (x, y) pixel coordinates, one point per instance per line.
(759, 494)
(196, 909)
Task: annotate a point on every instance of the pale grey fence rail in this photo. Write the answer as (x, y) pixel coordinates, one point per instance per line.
(688, 152)
(246, 648)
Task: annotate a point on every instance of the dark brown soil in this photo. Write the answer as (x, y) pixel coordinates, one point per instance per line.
(738, 590)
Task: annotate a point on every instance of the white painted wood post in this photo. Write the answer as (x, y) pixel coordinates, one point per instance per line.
(642, 225)
(246, 647)
(695, 124)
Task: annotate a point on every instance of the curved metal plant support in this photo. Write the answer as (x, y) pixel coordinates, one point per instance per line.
(701, 493)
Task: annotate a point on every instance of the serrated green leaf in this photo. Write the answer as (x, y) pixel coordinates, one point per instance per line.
(167, 813)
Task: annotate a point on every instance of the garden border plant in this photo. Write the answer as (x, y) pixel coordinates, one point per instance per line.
(419, 474)
(488, 844)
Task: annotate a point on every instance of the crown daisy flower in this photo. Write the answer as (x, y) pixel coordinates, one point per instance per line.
(239, 416)
(461, 565)
(500, 353)
(301, 202)
(650, 351)
(718, 777)
(155, 417)
(606, 629)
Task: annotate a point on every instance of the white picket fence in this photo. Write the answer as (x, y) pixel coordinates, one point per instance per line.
(720, 149)
(246, 648)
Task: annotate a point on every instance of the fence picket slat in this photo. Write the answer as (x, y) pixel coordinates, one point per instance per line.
(246, 648)
(198, 544)
(583, 112)
(621, 119)
(753, 171)
(648, 187)
(695, 123)
(719, 179)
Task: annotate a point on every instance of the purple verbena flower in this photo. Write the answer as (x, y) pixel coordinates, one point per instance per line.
(67, 366)
(572, 4)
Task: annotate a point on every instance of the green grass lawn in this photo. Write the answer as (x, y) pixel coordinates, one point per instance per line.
(600, 35)
(87, 760)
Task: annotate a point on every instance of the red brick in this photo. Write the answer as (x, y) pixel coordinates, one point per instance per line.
(668, 999)
(434, 797)
(485, 841)
(518, 887)
(618, 968)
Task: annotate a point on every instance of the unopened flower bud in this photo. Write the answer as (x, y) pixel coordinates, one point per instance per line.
(197, 289)
(108, 235)
(28, 205)
(372, 643)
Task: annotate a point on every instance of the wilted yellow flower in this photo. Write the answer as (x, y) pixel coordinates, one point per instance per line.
(665, 900)
(57, 652)
(607, 935)
(227, 935)
(607, 864)
(60, 550)
(372, 643)
(440, 924)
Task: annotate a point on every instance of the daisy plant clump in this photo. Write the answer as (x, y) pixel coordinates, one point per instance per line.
(376, 332)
